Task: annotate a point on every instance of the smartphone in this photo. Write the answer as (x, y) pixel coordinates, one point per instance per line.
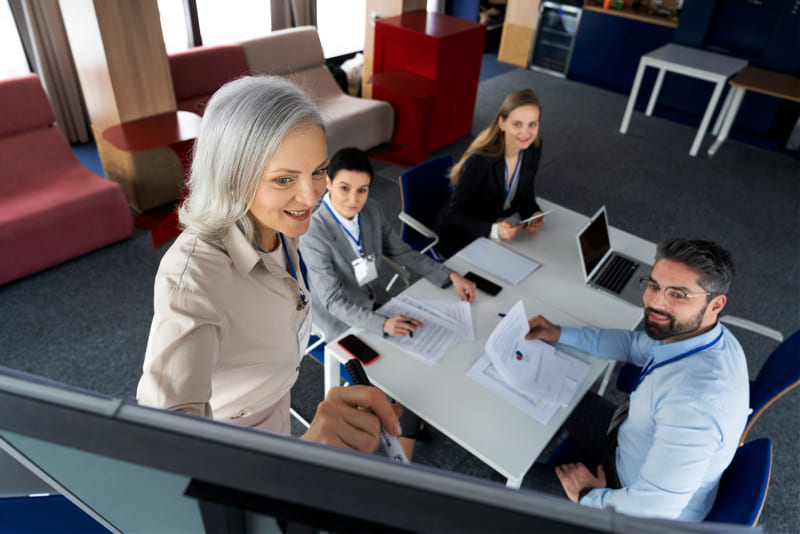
(483, 284)
(358, 348)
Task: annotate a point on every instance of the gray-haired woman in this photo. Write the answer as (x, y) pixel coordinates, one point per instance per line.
(232, 312)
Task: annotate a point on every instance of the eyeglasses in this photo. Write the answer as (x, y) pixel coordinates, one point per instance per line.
(674, 295)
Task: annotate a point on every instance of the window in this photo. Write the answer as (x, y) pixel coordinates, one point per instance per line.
(173, 25)
(233, 21)
(12, 60)
(341, 25)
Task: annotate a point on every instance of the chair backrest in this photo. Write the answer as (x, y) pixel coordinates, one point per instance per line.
(198, 72)
(424, 192)
(296, 54)
(779, 374)
(32, 148)
(24, 105)
(743, 487)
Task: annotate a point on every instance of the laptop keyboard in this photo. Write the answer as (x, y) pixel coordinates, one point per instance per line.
(616, 273)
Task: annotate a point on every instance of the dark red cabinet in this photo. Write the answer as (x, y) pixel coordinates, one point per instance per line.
(427, 65)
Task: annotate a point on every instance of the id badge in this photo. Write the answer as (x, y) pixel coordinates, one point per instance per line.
(303, 328)
(364, 269)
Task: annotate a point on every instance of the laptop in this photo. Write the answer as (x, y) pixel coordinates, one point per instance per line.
(605, 269)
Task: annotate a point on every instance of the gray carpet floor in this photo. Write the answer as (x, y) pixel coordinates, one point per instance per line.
(86, 322)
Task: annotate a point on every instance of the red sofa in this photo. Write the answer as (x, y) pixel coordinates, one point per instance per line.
(197, 73)
(52, 208)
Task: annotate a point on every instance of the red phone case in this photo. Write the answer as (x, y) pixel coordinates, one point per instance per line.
(351, 353)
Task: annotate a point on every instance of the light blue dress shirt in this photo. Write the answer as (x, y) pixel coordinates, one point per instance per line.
(684, 422)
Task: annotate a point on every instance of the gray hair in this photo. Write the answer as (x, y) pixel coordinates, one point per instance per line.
(712, 262)
(242, 127)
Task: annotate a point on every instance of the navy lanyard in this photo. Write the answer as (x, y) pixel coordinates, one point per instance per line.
(648, 369)
(291, 266)
(516, 167)
(358, 220)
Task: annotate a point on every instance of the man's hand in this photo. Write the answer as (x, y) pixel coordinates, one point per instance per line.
(351, 417)
(575, 477)
(506, 231)
(541, 328)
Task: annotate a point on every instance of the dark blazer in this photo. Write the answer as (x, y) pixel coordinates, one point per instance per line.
(338, 301)
(478, 197)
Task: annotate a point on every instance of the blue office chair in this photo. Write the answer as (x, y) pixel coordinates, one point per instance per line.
(424, 192)
(779, 373)
(743, 487)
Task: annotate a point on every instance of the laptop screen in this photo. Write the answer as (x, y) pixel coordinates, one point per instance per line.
(594, 242)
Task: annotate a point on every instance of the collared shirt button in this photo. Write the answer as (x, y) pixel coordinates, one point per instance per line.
(299, 307)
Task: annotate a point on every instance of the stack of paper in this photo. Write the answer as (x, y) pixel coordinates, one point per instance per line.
(498, 260)
(530, 374)
(445, 325)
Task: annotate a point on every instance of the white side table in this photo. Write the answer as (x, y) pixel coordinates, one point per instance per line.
(709, 66)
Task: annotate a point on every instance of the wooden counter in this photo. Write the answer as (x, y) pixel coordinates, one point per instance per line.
(641, 15)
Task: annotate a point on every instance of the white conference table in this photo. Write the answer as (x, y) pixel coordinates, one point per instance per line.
(499, 434)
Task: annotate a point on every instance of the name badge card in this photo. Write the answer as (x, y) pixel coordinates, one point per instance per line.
(365, 269)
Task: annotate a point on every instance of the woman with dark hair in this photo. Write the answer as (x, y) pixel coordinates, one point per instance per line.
(493, 182)
(344, 250)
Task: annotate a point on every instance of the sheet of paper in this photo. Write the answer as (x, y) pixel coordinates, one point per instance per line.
(502, 349)
(460, 312)
(430, 342)
(485, 374)
(498, 260)
(532, 368)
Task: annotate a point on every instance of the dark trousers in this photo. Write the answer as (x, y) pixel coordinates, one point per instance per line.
(587, 426)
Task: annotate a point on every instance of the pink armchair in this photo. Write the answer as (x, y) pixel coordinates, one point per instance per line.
(52, 208)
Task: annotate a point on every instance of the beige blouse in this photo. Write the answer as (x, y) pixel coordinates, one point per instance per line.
(222, 342)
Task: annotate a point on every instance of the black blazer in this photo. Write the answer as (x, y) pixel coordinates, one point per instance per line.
(478, 197)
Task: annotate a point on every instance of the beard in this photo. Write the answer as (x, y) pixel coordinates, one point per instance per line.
(672, 328)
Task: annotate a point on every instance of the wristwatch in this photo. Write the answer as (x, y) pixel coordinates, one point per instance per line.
(583, 492)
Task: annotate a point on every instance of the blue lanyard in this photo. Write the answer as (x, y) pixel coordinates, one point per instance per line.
(291, 266)
(648, 369)
(516, 167)
(358, 220)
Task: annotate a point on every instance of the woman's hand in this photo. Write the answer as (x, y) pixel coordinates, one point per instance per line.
(351, 417)
(400, 325)
(506, 231)
(465, 288)
(535, 225)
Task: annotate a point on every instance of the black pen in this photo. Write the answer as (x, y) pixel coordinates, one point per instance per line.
(390, 443)
(410, 332)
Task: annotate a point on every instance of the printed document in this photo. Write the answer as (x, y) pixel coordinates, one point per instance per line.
(528, 369)
(444, 327)
(496, 259)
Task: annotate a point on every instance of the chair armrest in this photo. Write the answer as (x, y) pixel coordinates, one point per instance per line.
(421, 228)
(416, 225)
(401, 272)
(753, 327)
(320, 338)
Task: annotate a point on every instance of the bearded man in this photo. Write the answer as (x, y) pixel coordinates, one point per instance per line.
(662, 453)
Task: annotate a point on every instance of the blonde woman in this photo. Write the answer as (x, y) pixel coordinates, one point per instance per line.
(493, 182)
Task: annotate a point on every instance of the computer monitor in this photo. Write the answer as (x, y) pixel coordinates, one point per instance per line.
(138, 469)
